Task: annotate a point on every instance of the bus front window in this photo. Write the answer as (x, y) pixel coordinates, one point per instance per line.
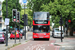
(40, 29)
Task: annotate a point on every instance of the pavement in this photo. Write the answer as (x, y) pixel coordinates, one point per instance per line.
(68, 43)
(13, 43)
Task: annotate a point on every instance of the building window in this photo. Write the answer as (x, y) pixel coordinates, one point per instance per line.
(0, 6)
(0, 12)
(0, 24)
(0, 19)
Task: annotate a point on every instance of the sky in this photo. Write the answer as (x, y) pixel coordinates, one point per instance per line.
(19, 0)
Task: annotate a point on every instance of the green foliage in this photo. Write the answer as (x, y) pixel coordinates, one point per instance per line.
(11, 5)
(58, 7)
(35, 5)
(30, 16)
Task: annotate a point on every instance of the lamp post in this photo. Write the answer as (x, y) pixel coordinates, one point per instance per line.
(6, 25)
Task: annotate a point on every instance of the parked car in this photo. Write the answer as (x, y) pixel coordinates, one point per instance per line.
(57, 33)
(2, 37)
(4, 31)
(12, 35)
(22, 32)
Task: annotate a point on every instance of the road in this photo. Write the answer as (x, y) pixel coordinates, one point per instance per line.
(39, 44)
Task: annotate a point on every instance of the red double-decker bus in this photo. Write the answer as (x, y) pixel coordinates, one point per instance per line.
(41, 25)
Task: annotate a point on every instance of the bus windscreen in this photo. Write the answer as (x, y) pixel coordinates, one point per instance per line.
(41, 29)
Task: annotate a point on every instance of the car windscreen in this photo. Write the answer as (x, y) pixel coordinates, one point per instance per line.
(13, 32)
(0, 35)
(41, 29)
(40, 16)
(57, 30)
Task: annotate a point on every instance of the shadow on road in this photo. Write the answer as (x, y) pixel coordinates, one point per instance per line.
(2, 43)
(58, 37)
(41, 39)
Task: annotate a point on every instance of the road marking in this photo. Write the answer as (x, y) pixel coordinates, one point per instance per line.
(38, 47)
(30, 44)
(57, 47)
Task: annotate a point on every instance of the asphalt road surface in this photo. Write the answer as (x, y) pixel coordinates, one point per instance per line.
(39, 44)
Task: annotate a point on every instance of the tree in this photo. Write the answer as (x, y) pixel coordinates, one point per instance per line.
(56, 8)
(66, 8)
(28, 12)
(12, 4)
(35, 5)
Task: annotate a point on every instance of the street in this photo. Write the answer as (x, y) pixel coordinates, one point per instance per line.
(45, 24)
(41, 44)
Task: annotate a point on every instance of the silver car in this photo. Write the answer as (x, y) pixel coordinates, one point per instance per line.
(57, 33)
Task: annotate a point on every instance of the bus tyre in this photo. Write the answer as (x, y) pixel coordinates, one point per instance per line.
(10, 38)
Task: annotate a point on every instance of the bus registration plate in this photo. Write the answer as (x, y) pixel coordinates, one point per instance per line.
(41, 37)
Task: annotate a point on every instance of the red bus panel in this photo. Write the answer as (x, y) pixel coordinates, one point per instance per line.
(41, 35)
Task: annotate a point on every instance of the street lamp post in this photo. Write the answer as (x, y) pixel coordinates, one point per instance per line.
(6, 25)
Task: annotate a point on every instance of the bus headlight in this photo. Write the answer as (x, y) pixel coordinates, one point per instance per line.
(47, 36)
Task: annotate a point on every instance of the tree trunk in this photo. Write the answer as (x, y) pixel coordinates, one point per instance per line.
(71, 32)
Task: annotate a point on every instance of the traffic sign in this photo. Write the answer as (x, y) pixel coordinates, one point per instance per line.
(24, 1)
(6, 21)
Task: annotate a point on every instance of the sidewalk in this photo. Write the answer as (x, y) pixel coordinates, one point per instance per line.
(68, 43)
(13, 43)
